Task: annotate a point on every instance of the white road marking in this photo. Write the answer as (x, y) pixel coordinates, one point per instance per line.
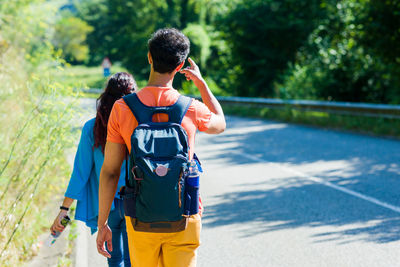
(326, 183)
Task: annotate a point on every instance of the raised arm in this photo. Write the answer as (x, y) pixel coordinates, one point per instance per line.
(217, 124)
(113, 157)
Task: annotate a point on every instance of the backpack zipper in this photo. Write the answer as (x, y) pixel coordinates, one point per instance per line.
(180, 189)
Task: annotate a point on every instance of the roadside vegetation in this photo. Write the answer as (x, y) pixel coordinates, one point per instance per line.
(375, 126)
(36, 112)
(333, 50)
(314, 49)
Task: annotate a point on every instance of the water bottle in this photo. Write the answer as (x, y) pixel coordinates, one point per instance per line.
(53, 237)
(192, 185)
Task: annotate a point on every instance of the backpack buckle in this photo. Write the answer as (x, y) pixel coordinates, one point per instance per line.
(134, 175)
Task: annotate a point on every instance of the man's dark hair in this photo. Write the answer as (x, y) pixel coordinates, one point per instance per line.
(168, 48)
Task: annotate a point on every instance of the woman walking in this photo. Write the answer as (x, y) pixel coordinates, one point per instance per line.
(84, 183)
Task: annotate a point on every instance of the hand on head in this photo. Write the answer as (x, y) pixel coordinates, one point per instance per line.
(193, 72)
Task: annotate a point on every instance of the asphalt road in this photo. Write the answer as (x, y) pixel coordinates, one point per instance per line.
(277, 194)
(285, 195)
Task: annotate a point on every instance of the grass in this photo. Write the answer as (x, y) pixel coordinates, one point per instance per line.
(36, 113)
(89, 95)
(85, 77)
(359, 124)
(32, 163)
(33, 169)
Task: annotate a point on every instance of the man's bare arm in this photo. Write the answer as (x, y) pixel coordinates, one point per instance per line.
(217, 124)
(114, 155)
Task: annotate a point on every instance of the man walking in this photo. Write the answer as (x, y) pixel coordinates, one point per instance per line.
(168, 50)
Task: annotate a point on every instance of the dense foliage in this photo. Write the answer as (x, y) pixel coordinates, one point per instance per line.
(343, 50)
(264, 36)
(350, 56)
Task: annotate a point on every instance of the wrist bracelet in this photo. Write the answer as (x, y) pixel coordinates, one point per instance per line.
(64, 208)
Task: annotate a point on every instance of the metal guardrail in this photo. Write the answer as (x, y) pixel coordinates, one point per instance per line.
(346, 108)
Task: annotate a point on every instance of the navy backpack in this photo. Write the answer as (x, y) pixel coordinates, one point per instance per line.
(155, 187)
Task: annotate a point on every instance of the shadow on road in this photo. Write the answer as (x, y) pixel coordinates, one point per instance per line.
(303, 206)
(364, 164)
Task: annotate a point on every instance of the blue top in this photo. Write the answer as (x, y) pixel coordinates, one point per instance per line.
(84, 183)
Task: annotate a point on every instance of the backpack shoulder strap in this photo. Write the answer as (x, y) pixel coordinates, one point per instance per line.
(139, 110)
(179, 109)
(144, 114)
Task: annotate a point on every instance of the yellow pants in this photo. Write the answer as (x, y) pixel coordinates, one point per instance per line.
(164, 249)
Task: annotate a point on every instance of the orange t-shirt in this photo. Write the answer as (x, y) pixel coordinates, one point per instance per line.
(122, 122)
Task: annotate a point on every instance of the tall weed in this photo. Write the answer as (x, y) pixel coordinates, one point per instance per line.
(36, 115)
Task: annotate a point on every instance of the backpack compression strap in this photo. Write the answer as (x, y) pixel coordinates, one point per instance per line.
(144, 114)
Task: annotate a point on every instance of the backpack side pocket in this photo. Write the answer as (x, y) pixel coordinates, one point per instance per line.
(128, 196)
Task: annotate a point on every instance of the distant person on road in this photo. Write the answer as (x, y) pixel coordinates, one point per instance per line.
(168, 50)
(106, 64)
(84, 182)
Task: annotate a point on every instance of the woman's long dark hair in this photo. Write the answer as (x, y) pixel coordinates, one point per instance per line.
(118, 85)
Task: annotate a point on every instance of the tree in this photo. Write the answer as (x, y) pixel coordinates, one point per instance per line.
(350, 56)
(343, 50)
(381, 38)
(264, 36)
(122, 28)
(70, 36)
